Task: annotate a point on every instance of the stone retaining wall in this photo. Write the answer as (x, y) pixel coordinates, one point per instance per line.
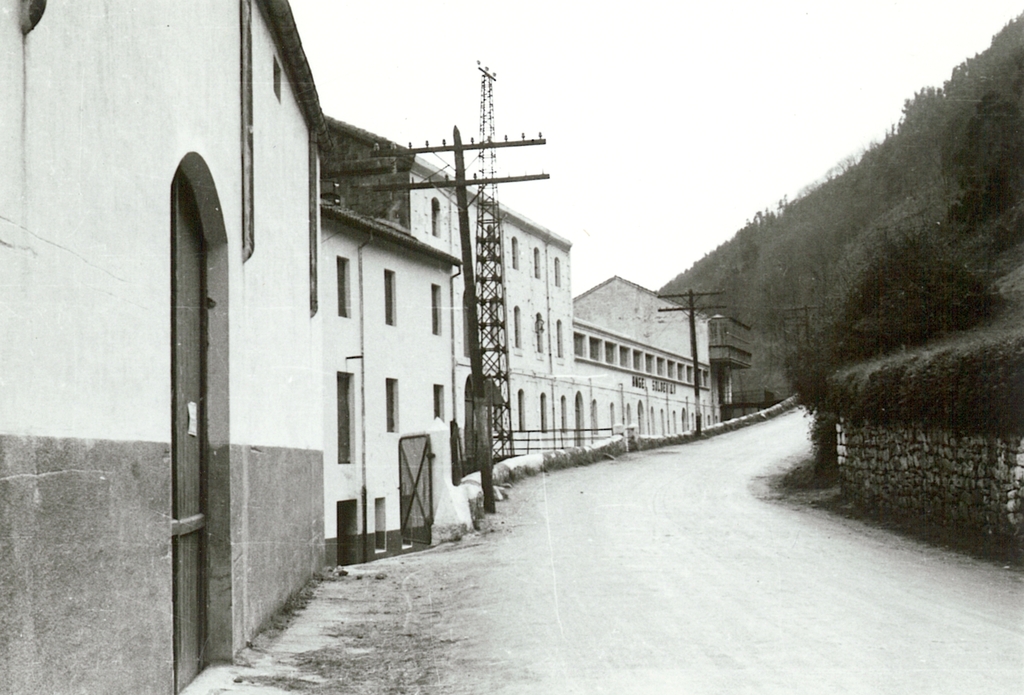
(972, 485)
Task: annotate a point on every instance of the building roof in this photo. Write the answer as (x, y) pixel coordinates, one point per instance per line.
(278, 14)
(618, 279)
(387, 231)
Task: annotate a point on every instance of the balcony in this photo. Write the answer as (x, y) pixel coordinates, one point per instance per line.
(729, 341)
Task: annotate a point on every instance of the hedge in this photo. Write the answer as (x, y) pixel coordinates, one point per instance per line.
(967, 391)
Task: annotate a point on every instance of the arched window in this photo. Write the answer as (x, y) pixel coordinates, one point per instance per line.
(593, 415)
(564, 419)
(675, 424)
(543, 412)
(611, 415)
(558, 273)
(640, 417)
(629, 414)
(435, 217)
(515, 253)
(662, 414)
(650, 423)
(536, 262)
(521, 402)
(558, 336)
(517, 331)
(538, 327)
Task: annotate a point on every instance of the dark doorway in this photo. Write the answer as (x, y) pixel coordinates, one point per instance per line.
(188, 433)
(348, 532)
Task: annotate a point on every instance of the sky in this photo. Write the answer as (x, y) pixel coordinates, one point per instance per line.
(668, 124)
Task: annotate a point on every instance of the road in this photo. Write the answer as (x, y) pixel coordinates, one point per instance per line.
(668, 571)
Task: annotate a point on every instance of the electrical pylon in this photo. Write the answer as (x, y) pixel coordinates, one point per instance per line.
(490, 281)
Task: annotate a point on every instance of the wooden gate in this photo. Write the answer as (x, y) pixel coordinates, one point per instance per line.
(188, 434)
(415, 464)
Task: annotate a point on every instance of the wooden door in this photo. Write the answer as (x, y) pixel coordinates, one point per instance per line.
(188, 433)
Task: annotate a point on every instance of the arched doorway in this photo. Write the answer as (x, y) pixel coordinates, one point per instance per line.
(640, 417)
(201, 577)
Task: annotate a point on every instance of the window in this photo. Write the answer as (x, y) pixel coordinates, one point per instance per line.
(611, 415)
(521, 406)
(380, 528)
(391, 404)
(558, 337)
(517, 331)
(438, 402)
(689, 374)
(661, 366)
(435, 217)
(609, 352)
(593, 415)
(564, 419)
(595, 349)
(343, 300)
(558, 273)
(536, 262)
(543, 412)
(624, 357)
(649, 363)
(277, 79)
(435, 309)
(538, 327)
(638, 358)
(344, 395)
(671, 369)
(389, 297)
(579, 342)
(515, 253)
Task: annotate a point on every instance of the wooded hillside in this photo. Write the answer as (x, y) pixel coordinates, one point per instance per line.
(892, 249)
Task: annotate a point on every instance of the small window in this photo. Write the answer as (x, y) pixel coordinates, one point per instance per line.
(343, 294)
(579, 344)
(543, 412)
(624, 357)
(638, 360)
(611, 415)
(661, 366)
(435, 217)
(595, 349)
(538, 328)
(435, 309)
(277, 79)
(671, 369)
(521, 407)
(563, 415)
(517, 331)
(438, 402)
(649, 363)
(689, 374)
(389, 297)
(391, 404)
(558, 273)
(380, 528)
(609, 352)
(558, 336)
(515, 253)
(344, 397)
(536, 262)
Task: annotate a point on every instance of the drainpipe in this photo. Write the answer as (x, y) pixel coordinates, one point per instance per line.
(362, 395)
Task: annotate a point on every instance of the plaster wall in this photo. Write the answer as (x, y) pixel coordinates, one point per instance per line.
(408, 351)
(109, 99)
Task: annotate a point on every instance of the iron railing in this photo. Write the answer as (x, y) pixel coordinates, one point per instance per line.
(532, 441)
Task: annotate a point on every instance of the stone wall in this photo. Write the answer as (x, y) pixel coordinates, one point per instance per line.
(971, 485)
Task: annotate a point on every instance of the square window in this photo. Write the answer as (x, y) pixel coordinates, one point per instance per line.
(439, 401)
(343, 294)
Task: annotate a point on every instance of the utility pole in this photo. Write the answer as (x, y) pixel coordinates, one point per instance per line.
(691, 298)
(483, 387)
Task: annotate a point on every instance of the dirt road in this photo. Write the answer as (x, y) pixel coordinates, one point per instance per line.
(665, 572)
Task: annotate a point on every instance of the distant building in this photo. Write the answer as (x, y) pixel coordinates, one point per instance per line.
(639, 363)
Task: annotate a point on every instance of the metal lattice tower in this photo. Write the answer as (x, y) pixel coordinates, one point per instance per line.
(490, 281)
